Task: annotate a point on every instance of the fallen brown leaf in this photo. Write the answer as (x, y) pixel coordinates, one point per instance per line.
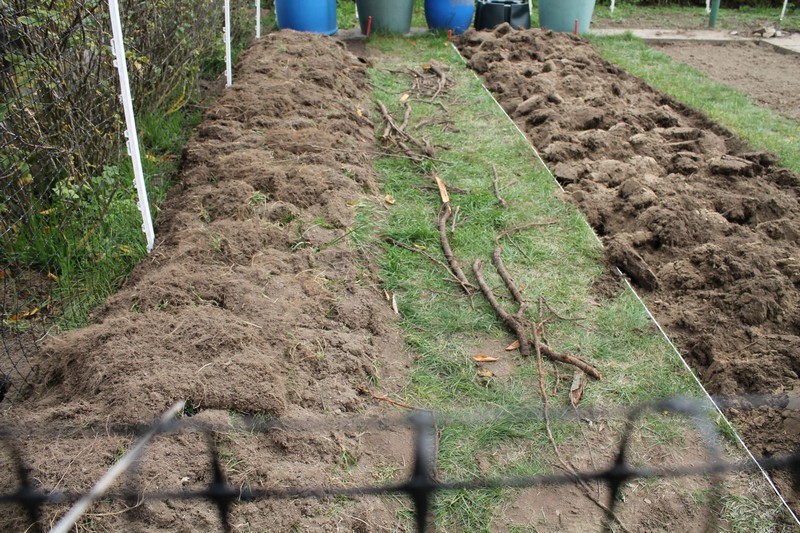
(513, 346)
(480, 358)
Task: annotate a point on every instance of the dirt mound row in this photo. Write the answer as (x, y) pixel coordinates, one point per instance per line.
(254, 301)
(706, 226)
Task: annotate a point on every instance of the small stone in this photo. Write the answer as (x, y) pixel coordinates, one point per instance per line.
(734, 32)
(778, 33)
(769, 32)
(647, 501)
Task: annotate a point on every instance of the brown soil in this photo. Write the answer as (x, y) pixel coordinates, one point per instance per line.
(707, 228)
(767, 76)
(254, 301)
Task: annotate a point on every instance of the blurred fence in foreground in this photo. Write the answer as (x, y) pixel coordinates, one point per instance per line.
(421, 487)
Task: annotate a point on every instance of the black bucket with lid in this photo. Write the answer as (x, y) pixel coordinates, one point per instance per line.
(491, 13)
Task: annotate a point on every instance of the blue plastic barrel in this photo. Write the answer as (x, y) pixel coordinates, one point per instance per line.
(453, 15)
(318, 16)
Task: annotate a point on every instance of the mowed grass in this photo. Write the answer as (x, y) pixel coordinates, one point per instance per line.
(557, 265)
(761, 128)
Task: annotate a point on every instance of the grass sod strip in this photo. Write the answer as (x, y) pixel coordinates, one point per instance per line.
(554, 264)
(761, 128)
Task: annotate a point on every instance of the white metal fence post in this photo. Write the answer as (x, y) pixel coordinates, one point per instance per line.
(228, 66)
(258, 19)
(783, 11)
(118, 49)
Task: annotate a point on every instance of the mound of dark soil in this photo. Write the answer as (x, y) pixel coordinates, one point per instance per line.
(253, 301)
(706, 226)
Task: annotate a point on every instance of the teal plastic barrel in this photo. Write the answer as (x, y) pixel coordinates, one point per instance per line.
(560, 15)
(388, 16)
(317, 16)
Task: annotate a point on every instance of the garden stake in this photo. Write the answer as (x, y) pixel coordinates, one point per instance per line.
(369, 25)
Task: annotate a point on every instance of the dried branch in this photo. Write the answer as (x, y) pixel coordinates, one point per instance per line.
(405, 246)
(442, 83)
(448, 252)
(497, 259)
(527, 225)
(366, 392)
(406, 116)
(500, 199)
(566, 465)
(390, 123)
(511, 322)
(569, 359)
(401, 137)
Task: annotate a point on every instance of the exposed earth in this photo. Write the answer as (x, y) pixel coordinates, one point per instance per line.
(254, 270)
(705, 227)
(767, 76)
(253, 302)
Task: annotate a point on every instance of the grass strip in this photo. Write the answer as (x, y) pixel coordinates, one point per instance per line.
(556, 263)
(761, 128)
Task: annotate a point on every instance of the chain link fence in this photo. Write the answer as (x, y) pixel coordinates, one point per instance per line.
(70, 229)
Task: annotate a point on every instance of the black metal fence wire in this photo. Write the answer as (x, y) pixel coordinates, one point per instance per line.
(422, 486)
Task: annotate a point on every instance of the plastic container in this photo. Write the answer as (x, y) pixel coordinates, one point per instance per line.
(388, 16)
(453, 15)
(560, 15)
(491, 13)
(317, 16)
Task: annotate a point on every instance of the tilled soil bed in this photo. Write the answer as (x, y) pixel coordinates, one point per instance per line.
(254, 302)
(704, 226)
